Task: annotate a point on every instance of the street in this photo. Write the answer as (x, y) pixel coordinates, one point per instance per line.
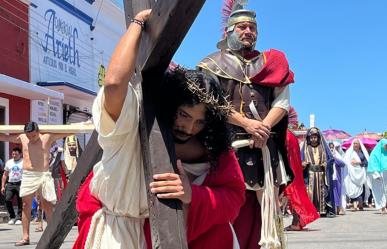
(355, 230)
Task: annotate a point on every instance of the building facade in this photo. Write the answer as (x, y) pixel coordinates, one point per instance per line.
(53, 59)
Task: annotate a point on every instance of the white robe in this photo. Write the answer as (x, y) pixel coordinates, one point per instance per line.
(355, 176)
(379, 188)
(118, 180)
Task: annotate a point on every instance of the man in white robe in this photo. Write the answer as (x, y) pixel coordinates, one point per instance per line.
(112, 203)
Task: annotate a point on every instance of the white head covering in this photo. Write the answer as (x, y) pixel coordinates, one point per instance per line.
(356, 177)
(350, 153)
(339, 148)
(71, 161)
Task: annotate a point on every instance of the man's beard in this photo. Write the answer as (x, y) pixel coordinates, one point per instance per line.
(73, 152)
(178, 140)
(247, 48)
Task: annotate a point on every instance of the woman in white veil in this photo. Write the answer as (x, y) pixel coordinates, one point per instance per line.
(356, 159)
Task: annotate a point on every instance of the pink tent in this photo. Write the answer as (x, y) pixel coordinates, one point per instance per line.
(333, 134)
(369, 143)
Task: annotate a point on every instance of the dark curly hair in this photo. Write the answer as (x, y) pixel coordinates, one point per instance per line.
(192, 87)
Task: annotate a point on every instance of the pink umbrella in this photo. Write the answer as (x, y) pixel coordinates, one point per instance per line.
(369, 143)
(372, 135)
(334, 134)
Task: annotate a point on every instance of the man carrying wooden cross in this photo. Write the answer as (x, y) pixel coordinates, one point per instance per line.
(112, 203)
(36, 176)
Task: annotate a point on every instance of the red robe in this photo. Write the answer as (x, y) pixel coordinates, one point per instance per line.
(296, 191)
(214, 204)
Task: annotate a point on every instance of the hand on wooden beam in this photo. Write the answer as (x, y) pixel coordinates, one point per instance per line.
(143, 15)
(172, 186)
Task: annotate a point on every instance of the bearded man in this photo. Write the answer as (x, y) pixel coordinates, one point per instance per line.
(257, 84)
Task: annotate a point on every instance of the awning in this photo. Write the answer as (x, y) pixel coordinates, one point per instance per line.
(23, 89)
(70, 90)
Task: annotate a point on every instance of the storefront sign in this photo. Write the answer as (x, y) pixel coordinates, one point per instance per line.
(61, 46)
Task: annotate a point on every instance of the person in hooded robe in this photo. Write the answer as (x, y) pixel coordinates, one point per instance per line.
(317, 161)
(356, 159)
(338, 167)
(71, 153)
(377, 169)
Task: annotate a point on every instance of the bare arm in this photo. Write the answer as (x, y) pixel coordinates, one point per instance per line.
(274, 116)
(4, 179)
(57, 136)
(121, 67)
(10, 138)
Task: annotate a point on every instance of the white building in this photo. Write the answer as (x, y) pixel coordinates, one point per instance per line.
(71, 43)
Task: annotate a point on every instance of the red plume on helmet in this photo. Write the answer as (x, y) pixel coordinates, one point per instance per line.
(228, 7)
(226, 11)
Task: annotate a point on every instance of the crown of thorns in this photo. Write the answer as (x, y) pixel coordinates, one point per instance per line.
(218, 104)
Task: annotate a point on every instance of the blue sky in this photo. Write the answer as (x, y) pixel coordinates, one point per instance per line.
(337, 50)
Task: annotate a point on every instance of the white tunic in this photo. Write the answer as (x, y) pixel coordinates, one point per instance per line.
(379, 188)
(118, 180)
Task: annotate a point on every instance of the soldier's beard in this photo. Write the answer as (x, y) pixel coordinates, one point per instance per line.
(235, 44)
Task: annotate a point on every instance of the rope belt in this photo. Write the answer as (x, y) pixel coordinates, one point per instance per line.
(269, 236)
(97, 227)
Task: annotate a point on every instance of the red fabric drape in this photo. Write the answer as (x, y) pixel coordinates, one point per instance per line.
(86, 206)
(296, 191)
(275, 72)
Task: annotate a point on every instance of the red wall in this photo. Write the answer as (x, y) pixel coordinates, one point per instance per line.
(19, 112)
(14, 59)
(19, 109)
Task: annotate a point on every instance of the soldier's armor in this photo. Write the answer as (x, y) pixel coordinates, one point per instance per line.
(234, 74)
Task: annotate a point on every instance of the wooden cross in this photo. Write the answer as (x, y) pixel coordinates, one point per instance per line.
(169, 22)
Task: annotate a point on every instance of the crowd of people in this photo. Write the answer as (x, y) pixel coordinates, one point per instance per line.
(31, 176)
(237, 160)
(338, 179)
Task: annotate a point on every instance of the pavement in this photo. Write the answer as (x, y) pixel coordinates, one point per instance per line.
(355, 230)
(9, 234)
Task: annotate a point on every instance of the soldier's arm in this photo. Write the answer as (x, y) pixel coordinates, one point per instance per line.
(251, 126)
(121, 67)
(280, 106)
(274, 116)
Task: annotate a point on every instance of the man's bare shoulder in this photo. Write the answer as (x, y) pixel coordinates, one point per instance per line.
(22, 137)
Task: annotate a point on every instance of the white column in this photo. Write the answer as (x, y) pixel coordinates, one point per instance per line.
(312, 119)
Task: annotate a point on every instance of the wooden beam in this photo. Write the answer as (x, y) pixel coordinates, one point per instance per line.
(72, 128)
(166, 28)
(65, 214)
(160, 41)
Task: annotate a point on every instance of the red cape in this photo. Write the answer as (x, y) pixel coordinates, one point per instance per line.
(275, 71)
(296, 191)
